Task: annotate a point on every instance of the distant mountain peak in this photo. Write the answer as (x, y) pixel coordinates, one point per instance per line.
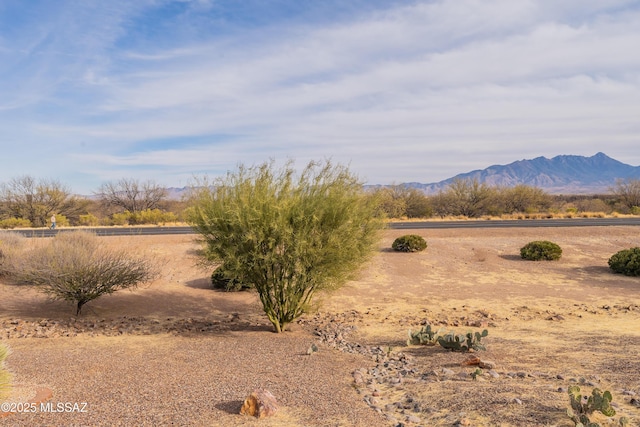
(562, 174)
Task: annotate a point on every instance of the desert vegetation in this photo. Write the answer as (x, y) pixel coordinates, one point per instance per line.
(472, 199)
(28, 202)
(583, 407)
(626, 261)
(5, 375)
(541, 250)
(288, 236)
(409, 243)
(75, 267)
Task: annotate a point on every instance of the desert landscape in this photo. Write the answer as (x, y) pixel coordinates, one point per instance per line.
(176, 352)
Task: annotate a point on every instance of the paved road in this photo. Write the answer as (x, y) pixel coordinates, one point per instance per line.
(572, 222)
(412, 225)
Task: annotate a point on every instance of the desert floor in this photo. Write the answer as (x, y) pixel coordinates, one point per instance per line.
(175, 352)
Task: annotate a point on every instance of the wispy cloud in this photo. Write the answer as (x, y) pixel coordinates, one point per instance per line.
(401, 91)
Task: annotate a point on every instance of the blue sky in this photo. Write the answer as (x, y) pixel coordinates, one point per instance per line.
(94, 91)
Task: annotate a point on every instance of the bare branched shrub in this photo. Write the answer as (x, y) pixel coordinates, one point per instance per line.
(75, 267)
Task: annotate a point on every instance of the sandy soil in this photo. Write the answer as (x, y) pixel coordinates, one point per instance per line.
(193, 354)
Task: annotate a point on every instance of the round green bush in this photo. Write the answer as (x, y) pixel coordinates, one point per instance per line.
(409, 243)
(220, 280)
(541, 250)
(626, 262)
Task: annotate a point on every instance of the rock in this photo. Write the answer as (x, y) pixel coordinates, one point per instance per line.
(487, 364)
(357, 377)
(413, 419)
(260, 404)
(390, 418)
(471, 361)
(493, 374)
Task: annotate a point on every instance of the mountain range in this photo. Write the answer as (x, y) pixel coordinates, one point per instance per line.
(565, 174)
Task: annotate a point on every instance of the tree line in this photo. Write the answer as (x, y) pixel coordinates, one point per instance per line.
(29, 202)
(472, 199)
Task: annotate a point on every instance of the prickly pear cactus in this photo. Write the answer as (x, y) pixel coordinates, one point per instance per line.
(583, 406)
(463, 343)
(425, 336)
(473, 340)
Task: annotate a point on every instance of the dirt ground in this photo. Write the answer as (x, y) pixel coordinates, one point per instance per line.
(551, 324)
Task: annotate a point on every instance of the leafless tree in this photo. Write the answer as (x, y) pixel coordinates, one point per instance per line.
(36, 200)
(132, 195)
(628, 191)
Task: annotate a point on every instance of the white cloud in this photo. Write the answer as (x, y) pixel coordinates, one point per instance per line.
(419, 87)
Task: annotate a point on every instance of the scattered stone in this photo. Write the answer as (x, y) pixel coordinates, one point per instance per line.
(357, 377)
(471, 361)
(487, 364)
(413, 419)
(493, 374)
(260, 404)
(517, 401)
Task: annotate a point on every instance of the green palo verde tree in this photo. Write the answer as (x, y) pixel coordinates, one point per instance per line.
(287, 235)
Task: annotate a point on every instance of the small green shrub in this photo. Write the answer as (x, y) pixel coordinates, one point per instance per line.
(626, 262)
(5, 375)
(541, 250)
(409, 243)
(15, 223)
(88, 220)
(151, 216)
(121, 218)
(220, 280)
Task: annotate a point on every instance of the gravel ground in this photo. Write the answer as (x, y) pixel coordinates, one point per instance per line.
(550, 324)
(190, 381)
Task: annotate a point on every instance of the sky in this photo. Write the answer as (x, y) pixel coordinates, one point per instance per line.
(94, 91)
